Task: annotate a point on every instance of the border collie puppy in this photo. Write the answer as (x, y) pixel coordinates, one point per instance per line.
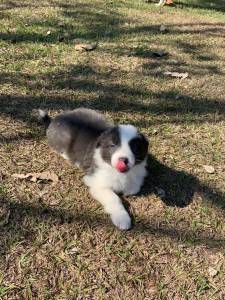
(112, 157)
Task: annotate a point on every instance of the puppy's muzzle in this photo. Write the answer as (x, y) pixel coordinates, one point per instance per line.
(122, 164)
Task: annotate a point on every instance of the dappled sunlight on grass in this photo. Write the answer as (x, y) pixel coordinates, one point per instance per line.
(56, 242)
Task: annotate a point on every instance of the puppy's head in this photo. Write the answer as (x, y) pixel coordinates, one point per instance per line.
(123, 147)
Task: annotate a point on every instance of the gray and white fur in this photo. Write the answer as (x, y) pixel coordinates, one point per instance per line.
(112, 157)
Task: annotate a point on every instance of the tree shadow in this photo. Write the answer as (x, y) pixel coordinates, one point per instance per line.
(154, 67)
(179, 110)
(20, 136)
(207, 29)
(216, 5)
(112, 97)
(7, 4)
(81, 21)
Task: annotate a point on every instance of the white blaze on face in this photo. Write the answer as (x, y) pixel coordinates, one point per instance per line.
(127, 132)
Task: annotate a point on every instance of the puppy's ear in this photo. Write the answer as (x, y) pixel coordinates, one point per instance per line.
(144, 140)
(101, 138)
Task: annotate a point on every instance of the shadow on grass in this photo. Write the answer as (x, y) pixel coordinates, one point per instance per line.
(82, 21)
(180, 108)
(95, 22)
(20, 136)
(179, 187)
(217, 5)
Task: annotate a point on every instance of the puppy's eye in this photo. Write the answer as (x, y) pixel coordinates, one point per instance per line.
(112, 145)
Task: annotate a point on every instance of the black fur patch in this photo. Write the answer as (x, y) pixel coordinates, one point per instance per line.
(139, 147)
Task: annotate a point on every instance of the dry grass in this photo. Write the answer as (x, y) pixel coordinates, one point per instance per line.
(55, 241)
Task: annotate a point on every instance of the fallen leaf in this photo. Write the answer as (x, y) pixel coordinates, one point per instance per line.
(73, 250)
(38, 177)
(163, 28)
(176, 74)
(159, 53)
(212, 272)
(63, 37)
(209, 169)
(85, 47)
(155, 131)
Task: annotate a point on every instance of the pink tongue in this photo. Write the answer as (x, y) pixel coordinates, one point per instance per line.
(121, 166)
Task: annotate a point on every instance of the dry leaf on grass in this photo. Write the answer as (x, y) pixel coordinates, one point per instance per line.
(85, 47)
(73, 250)
(159, 53)
(38, 177)
(176, 74)
(163, 28)
(209, 169)
(155, 131)
(63, 37)
(212, 272)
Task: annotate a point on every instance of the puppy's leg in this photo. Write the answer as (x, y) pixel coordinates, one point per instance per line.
(113, 206)
(133, 190)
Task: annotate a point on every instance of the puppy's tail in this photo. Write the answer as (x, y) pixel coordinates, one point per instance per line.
(44, 118)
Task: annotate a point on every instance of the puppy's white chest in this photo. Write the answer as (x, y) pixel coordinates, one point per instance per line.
(127, 183)
(117, 181)
(107, 178)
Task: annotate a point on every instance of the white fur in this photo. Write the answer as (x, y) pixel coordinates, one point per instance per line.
(127, 132)
(107, 181)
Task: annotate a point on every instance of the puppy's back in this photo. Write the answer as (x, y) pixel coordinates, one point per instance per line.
(73, 134)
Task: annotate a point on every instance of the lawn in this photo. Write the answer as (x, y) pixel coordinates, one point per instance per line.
(55, 240)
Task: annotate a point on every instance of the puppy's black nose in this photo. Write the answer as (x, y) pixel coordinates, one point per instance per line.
(124, 159)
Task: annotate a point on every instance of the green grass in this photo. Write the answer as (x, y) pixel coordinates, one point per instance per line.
(55, 241)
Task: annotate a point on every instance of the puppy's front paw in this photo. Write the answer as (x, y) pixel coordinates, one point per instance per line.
(121, 219)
